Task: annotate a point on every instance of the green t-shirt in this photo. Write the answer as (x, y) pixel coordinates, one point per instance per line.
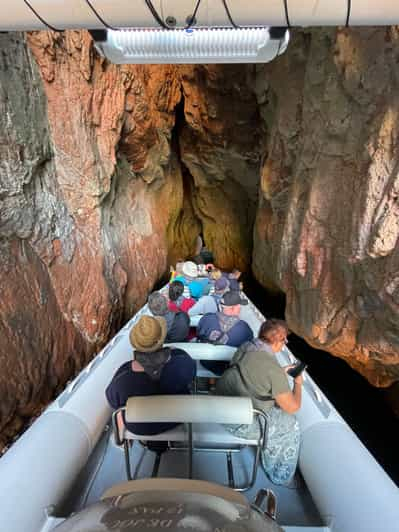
(262, 374)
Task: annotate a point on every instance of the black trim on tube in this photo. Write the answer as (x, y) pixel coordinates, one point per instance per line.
(103, 22)
(287, 17)
(348, 12)
(50, 27)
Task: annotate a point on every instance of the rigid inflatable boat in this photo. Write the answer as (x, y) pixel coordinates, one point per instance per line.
(71, 471)
(68, 473)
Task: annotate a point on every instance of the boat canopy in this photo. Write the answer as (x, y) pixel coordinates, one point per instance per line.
(100, 14)
(192, 31)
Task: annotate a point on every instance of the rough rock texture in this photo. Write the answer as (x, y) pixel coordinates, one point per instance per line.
(108, 174)
(94, 200)
(327, 226)
(85, 209)
(220, 145)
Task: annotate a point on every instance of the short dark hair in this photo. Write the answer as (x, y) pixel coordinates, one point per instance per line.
(176, 289)
(273, 330)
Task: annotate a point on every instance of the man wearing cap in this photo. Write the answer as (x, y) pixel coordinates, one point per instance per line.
(224, 328)
(154, 370)
(178, 323)
(210, 303)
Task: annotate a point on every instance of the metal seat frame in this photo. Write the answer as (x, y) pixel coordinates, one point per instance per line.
(261, 419)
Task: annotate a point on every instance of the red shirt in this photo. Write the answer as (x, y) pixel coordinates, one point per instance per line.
(188, 302)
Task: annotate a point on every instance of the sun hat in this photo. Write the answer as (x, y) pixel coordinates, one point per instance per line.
(221, 284)
(148, 334)
(158, 304)
(190, 269)
(232, 298)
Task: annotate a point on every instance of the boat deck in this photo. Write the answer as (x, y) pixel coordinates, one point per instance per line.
(106, 468)
(348, 489)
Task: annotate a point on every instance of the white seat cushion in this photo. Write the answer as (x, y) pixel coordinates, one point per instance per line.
(211, 433)
(177, 434)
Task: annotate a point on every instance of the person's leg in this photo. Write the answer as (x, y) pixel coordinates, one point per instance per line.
(216, 366)
(280, 456)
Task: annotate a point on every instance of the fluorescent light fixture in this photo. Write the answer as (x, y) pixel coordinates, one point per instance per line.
(194, 45)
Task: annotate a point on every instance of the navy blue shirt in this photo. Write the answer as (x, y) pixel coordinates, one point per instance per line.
(240, 332)
(176, 378)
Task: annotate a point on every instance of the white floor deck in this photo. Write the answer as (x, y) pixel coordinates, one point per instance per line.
(295, 507)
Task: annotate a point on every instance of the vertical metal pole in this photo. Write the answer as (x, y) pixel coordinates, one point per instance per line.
(127, 459)
(190, 450)
(230, 469)
(157, 461)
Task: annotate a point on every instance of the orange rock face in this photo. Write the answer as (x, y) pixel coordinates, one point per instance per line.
(89, 192)
(220, 145)
(108, 174)
(328, 220)
(96, 201)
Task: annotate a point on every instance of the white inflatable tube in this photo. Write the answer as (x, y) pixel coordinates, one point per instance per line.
(351, 491)
(63, 14)
(40, 468)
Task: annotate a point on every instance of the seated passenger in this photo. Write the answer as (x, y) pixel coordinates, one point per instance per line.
(233, 279)
(177, 302)
(177, 271)
(189, 272)
(215, 274)
(197, 287)
(154, 371)
(197, 258)
(254, 372)
(224, 328)
(210, 303)
(177, 323)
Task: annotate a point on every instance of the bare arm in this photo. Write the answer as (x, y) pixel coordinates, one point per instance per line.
(290, 402)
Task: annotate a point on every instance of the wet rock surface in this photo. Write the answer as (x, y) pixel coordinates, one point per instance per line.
(108, 174)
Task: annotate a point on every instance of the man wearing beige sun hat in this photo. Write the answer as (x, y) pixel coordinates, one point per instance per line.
(154, 370)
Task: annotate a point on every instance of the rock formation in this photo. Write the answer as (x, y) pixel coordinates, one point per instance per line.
(95, 201)
(108, 173)
(85, 211)
(327, 225)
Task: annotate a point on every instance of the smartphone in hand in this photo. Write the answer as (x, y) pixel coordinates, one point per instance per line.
(297, 369)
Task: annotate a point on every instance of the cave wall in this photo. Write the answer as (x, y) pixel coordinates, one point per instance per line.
(108, 173)
(327, 225)
(220, 144)
(85, 210)
(95, 201)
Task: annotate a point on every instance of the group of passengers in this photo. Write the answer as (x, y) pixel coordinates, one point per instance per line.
(253, 371)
